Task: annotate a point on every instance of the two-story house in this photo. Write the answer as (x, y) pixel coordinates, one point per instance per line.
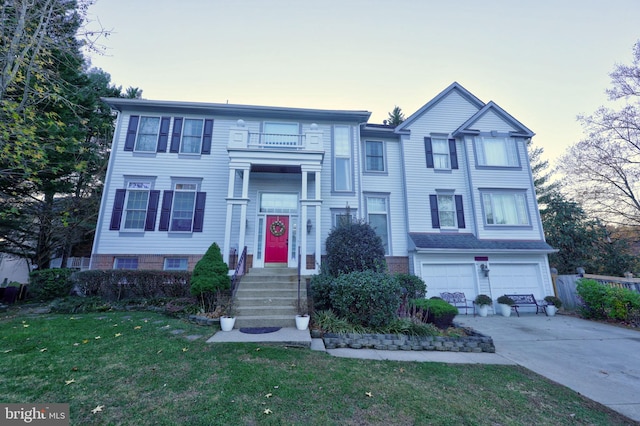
(449, 191)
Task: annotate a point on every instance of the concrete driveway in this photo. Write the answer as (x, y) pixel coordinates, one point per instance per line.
(602, 362)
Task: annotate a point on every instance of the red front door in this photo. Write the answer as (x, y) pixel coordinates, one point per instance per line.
(277, 243)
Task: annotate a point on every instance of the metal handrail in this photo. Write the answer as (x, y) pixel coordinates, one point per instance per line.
(299, 269)
(239, 272)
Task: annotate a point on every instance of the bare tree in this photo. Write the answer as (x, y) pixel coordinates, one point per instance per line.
(603, 169)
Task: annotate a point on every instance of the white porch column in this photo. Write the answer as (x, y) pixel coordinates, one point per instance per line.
(227, 229)
(303, 219)
(310, 211)
(246, 171)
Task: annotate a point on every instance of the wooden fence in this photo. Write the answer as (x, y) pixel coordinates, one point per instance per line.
(566, 286)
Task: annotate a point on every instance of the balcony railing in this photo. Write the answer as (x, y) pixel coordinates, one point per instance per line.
(277, 141)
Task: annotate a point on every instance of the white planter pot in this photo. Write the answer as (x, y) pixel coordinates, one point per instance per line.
(483, 310)
(302, 322)
(551, 310)
(227, 323)
(505, 310)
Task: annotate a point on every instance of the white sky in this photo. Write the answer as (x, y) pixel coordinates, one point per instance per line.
(543, 61)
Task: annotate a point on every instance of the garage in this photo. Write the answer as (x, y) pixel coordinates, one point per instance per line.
(519, 278)
(449, 277)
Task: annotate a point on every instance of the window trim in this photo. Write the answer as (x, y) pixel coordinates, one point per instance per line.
(386, 197)
(125, 207)
(440, 210)
(383, 155)
(349, 158)
(506, 191)
(175, 190)
(185, 259)
(182, 136)
(117, 259)
(156, 134)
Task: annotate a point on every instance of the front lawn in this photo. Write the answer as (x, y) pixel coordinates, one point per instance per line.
(140, 368)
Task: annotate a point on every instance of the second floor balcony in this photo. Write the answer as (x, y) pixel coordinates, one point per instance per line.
(241, 138)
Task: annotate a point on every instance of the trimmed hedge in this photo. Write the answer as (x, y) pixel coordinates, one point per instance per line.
(354, 247)
(368, 298)
(320, 289)
(115, 284)
(436, 311)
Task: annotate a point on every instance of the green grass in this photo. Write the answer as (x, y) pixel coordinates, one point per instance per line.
(143, 374)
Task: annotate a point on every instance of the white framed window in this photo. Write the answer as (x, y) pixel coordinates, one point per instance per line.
(182, 210)
(125, 263)
(378, 218)
(374, 156)
(342, 158)
(441, 153)
(192, 131)
(496, 151)
(147, 136)
(447, 211)
(175, 264)
(505, 208)
(136, 204)
(281, 134)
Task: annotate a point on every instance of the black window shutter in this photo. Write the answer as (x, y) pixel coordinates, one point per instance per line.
(175, 137)
(118, 205)
(165, 211)
(130, 141)
(163, 137)
(198, 216)
(429, 151)
(453, 153)
(152, 211)
(435, 217)
(460, 211)
(207, 135)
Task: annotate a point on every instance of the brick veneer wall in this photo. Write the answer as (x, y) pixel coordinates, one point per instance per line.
(154, 261)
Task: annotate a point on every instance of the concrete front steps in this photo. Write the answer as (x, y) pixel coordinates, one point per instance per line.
(268, 297)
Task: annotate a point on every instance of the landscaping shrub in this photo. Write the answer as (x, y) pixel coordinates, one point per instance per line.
(368, 298)
(79, 305)
(210, 277)
(601, 301)
(354, 247)
(412, 285)
(48, 284)
(114, 284)
(320, 288)
(436, 311)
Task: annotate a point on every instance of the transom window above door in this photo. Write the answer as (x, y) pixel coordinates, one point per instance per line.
(278, 203)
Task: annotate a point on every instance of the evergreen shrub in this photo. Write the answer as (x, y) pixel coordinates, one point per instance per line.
(48, 284)
(354, 247)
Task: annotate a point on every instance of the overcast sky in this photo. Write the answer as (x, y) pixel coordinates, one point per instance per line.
(543, 61)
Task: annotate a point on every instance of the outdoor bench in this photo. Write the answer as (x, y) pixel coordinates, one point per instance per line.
(459, 300)
(526, 300)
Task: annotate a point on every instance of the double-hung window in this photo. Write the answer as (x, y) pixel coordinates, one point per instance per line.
(505, 208)
(441, 153)
(496, 151)
(447, 210)
(342, 158)
(191, 136)
(136, 205)
(378, 216)
(374, 156)
(147, 137)
(184, 202)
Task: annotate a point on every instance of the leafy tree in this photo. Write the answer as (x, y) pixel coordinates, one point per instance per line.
(603, 169)
(396, 116)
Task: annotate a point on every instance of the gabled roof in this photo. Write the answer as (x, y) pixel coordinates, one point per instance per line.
(467, 127)
(454, 87)
(370, 130)
(236, 110)
(469, 242)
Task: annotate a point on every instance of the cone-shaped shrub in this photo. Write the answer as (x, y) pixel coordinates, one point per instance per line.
(210, 274)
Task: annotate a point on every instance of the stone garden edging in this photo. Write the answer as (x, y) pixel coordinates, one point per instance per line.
(473, 342)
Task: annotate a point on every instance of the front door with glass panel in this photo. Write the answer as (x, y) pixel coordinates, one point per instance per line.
(277, 239)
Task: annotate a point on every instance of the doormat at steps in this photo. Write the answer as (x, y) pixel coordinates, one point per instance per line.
(259, 330)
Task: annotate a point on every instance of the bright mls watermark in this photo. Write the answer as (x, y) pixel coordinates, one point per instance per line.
(34, 414)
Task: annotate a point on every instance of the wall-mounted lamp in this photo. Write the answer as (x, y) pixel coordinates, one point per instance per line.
(309, 226)
(485, 269)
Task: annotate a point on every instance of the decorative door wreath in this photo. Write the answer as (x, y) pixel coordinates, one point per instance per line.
(277, 228)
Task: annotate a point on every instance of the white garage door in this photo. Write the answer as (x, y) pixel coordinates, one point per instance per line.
(449, 277)
(521, 278)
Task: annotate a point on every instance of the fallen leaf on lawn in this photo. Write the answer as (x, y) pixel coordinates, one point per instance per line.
(115, 325)
(25, 325)
(97, 409)
(85, 341)
(293, 365)
(184, 349)
(159, 351)
(74, 369)
(137, 327)
(257, 349)
(76, 344)
(98, 337)
(68, 382)
(267, 411)
(118, 334)
(7, 351)
(276, 387)
(269, 395)
(43, 350)
(402, 370)
(369, 394)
